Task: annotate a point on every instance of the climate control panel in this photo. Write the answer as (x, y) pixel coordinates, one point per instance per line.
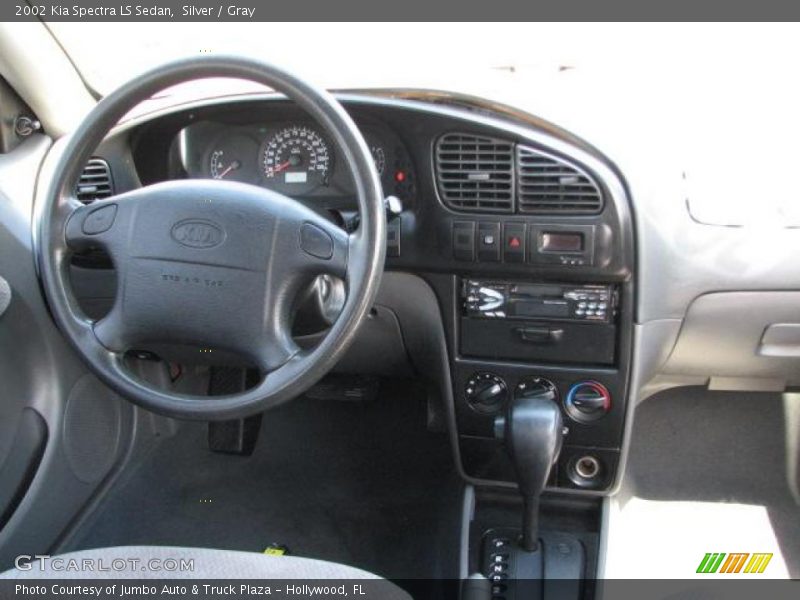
(488, 393)
(592, 420)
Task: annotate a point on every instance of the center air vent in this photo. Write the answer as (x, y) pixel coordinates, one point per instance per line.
(475, 173)
(550, 186)
(95, 181)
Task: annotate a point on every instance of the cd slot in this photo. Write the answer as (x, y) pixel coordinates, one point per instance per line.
(540, 308)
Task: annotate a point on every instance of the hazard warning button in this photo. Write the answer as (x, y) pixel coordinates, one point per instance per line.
(514, 242)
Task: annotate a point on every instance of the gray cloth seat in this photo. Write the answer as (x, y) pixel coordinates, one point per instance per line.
(164, 562)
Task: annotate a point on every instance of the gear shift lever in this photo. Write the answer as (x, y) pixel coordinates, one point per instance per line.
(532, 430)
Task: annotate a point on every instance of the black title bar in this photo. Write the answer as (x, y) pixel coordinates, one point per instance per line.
(396, 10)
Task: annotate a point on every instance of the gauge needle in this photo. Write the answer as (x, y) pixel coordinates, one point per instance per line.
(231, 167)
(282, 166)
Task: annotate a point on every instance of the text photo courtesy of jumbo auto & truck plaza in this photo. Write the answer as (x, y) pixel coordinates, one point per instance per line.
(133, 591)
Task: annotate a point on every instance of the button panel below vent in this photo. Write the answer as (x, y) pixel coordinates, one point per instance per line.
(95, 181)
(475, 173)
(550, 186)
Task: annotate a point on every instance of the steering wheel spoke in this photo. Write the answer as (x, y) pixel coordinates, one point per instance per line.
(274, 353)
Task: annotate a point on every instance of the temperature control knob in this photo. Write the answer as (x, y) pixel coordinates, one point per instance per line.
(486, 392)
(587, 401)
(536, 386)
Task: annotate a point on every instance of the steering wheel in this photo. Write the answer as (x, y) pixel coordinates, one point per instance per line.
(209, 263)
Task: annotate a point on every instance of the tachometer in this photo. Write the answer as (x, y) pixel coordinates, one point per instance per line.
(296, 160)
(233, 157)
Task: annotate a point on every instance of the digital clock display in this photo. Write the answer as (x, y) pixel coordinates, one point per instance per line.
(561, 242)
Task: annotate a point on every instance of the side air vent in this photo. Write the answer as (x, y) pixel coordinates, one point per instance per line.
(475, 173)
(95, 181)
(550, 186)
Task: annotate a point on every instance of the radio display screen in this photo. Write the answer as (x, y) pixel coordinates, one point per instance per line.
(561, 242)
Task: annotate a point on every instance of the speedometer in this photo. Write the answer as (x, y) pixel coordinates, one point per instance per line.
(296, 160)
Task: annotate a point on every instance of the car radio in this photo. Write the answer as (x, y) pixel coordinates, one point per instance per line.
(515, 300)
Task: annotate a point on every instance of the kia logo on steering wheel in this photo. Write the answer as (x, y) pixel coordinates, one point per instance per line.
(196, 233)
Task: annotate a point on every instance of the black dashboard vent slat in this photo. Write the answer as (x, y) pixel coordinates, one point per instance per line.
(550, 186)
(95, 181)
(475, 173)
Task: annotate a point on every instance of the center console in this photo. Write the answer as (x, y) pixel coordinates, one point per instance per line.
(536, 287)
(539, 368)
(516, 338)
(538, 298)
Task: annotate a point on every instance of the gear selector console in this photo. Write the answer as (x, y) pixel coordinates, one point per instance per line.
(556, 570)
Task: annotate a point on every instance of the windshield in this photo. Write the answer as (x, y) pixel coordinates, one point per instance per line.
(364, 54)
(687, 81)
(373, 54)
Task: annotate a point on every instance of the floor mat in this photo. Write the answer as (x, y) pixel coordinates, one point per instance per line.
(362, 484)
(707, 468)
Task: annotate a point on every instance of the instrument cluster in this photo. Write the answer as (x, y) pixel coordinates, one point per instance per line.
(294, 158)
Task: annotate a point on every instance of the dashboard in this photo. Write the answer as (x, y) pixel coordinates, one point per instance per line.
(521, 232)
(542, 273)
